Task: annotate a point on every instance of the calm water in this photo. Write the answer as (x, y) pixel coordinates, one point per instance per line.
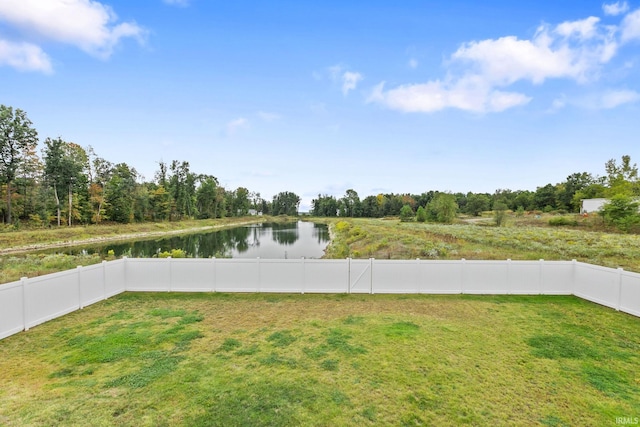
(268, 240)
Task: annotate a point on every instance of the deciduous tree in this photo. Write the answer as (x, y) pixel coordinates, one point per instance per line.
(285, 203)
(442, 208)
(120, 194)
(17, 138)
(64, 167)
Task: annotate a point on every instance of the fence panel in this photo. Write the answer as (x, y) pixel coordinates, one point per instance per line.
(598, 284)
(148, 274)
(326, 276)
(484, 277)
(282, 275)
(51, 296)
(524, 277)
(11, 306)
(92, 287)
(440, 277)
(237, 275)
(557, 277)
(193, 275)
(396, 277)
(360, 279)
(115, 278)
(630, 293)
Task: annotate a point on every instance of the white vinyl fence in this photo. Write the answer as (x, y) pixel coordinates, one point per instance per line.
(29, 302)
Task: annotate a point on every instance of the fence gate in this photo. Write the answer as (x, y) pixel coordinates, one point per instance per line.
(361, 276)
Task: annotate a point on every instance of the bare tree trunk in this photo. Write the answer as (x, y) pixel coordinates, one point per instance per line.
(55, 193)
(70, 204)
(9, 202)
(98, 213)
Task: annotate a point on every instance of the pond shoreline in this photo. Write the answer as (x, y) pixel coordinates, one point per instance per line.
(118, 238)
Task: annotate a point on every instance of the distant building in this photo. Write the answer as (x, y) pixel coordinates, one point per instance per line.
(592, 205)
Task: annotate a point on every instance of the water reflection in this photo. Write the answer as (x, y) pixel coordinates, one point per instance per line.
(267, 240)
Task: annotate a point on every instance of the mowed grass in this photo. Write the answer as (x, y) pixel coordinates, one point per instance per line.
(281, 360)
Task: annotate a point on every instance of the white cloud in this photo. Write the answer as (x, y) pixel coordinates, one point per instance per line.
(350, 81)
(24, 57)
(237, 124)
(616, 8)
(435, 96)
(180, 3)
(509, 59)
(583, 29)
(558, 104)
(613, 99)
(606, 100)
(630, 27)
(413, 63)
(335, 71)
(87, 24)
(479, 71)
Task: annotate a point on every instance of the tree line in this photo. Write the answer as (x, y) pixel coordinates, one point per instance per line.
(621, 185)
(70, 184)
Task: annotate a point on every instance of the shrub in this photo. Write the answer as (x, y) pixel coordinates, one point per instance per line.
(499, 213)
(622, 212)
(175, 253)
(342, 226)
(562, 221)
(406, 214)
(442, 208)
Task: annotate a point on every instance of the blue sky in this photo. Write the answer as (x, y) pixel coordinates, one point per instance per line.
(320, 97)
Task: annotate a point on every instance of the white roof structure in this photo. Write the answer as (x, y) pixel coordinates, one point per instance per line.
(592, 205)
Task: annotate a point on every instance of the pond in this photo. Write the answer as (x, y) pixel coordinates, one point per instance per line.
(266, 240)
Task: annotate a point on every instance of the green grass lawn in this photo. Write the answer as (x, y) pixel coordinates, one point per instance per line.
(260, 359)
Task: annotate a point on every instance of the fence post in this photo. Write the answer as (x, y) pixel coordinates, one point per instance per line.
(104, 279)
(78, 271)
(126, 278)
(23, 282)
(574, 274)
(213, 275)
(620, 270)
(304, 275)
(348, 275)
(258, 289)
(508, 276)
(170, 261)
(371, 275)
(417, 275)
(540, 270)
(462, 262)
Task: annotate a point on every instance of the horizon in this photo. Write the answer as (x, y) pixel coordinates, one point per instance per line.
(318, 99)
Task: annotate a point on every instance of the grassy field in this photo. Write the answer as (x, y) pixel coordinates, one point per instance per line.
(281, 360)
(391, 239)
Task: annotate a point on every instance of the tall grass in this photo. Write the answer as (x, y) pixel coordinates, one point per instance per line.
(363, 238)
